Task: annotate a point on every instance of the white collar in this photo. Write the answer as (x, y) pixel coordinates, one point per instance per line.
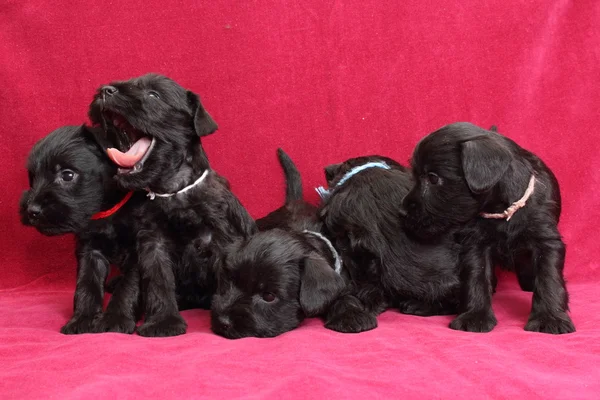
(153, 195)
(337, 261)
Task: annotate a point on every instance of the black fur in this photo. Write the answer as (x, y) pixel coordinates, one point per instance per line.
(57, 206)
(271, 282)
(461, 171)
(180, 240)
(293, 180)
(275, 279)
(335, 172)
(295, 214)
(386, 267)
(175, 119)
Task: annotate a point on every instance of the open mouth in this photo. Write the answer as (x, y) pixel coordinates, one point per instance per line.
(134, 146)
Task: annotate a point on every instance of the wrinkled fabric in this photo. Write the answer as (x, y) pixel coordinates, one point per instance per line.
(324, 80)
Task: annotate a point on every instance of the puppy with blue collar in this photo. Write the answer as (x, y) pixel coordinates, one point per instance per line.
(361, 213)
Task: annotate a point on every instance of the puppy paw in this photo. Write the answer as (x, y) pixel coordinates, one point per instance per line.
(352, 321)
(474, 321)
(549, 323)
(416, 307)
(170, 325)
(80, 324)
(110, 322)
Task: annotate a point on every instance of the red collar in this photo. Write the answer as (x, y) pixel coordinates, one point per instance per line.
(117, 207)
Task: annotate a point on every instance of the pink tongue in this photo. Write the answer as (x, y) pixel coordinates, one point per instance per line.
(133, 155)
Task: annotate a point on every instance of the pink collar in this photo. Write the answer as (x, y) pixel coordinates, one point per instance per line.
(510, 211)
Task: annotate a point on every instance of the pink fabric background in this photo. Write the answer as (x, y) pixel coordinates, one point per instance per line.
(325, 80)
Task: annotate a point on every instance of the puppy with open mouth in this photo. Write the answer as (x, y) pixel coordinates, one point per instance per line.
(280, 276)
(502, 204)
(72, 190)
(362, 216)
(154, 128)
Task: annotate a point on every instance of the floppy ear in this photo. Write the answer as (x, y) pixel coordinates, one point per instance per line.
(238, 217)
(105, 139)
(203, 122)
(331, 171)
(96, 136)
(228, 256)
(319, 285)
(484, 162)
(97, 141)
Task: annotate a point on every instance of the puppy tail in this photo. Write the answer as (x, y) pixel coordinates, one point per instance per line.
(293, 182)
(494, 128)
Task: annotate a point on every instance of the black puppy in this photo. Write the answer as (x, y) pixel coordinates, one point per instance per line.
(72, 191)
(274, 280)
(154, 128)
(362, 216)
(502, 204)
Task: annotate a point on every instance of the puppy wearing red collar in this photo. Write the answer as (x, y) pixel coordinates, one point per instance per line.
(72, 190)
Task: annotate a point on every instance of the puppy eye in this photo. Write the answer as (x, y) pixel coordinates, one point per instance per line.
(152, 93)
(268, 297)
(67, 175)
(433, 178)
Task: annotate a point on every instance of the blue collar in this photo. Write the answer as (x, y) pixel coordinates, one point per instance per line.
(324, 193)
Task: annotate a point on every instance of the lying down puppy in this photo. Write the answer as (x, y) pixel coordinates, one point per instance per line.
(278, 277)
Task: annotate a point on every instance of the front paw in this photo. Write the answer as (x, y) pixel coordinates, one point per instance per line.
(170, 325)
(474, 321)
(416, 307)
(79, 324)
(110, 322)
(352, 321)
(549, 323)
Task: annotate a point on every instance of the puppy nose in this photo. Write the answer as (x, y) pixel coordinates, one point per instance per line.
(34, 211)
(109, 90)
(225, 322)
(407, 206)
